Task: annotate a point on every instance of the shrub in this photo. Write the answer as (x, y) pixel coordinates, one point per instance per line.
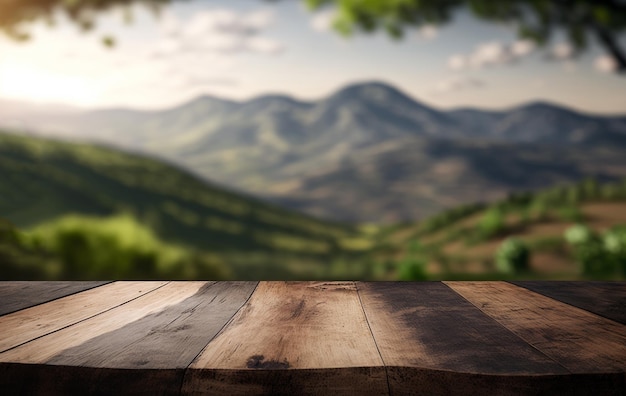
(614, 242)
(590, 252)
(513, 257)
(412, 267)
(119, 248)
(491, 224)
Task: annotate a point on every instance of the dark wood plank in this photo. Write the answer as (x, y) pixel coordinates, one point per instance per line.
(606, 299)
(19, 295)
(34, 322)
(292, 338)
(157, 345)
(42, 349)
(424, 329)
(579, 340)
(169, 338)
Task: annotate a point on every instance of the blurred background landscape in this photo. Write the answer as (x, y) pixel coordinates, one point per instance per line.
(341, 139)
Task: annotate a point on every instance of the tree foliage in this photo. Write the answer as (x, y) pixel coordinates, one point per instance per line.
(513, 256)
(535, 19)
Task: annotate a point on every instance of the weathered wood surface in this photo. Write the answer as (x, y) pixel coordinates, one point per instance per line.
(433, 328)
(434, 338)
(34, 322)
(606, 299)
(161, 332)
(291, 327)
(579, 340)
(20, 295)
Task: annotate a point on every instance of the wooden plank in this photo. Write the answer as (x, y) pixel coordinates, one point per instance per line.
(606, 299)
(579, 340)
(184, 318)
(292, 338)
(425, 331)
(34, 322)
(23, 294)
(42, 349)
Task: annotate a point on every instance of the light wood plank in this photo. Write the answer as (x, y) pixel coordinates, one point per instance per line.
(606, 299)
(292, 337)
(579, 340)
(43, 349)
(34, 322)
(169, 338)
(23, 294)
(424, 330)
(149, 354)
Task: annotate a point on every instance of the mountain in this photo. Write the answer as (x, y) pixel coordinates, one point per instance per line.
(43, 180)
(368, 152)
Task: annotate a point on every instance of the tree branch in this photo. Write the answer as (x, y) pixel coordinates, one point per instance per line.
(610, 43)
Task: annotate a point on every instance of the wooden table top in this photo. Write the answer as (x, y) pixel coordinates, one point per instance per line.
(362, 338)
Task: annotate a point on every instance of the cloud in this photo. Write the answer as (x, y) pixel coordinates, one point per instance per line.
(457, 83)
(605, 63)
(323, 20)
(219, 30)
(457, 62)
(522, 47)
(428, 32)
(491, 54)
(562, 51)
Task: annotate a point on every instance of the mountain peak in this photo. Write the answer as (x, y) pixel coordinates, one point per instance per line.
(373, 91)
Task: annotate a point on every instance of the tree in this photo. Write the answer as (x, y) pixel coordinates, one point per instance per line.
(513, 257)
(535, 19)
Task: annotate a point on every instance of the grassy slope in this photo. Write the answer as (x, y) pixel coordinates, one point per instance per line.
(453, 250)
(41, 180)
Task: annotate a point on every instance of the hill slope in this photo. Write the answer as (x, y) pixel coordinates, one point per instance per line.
(463, 242)
(42, 180)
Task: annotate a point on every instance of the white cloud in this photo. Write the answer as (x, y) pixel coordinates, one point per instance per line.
(323, 20)
(562, 51)
(605, 63)
(219, 30)
(457, 62)
(457, 83)
(492, 53)
(428, 32)
(264, 45)
(522, 47)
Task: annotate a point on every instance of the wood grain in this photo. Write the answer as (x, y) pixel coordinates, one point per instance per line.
(42, 349)
(23, 294)
(606, 299)
(160, 345)
(579, 340)
(422, 327)
(169, 338)
(34, 322)
(306, 336)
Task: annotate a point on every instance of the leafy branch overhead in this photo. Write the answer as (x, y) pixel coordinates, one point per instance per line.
(604, 20)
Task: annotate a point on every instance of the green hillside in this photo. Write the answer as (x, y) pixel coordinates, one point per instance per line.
(44, 181)
(80, 211)
(567, 232)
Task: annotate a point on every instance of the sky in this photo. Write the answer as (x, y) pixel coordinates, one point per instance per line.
(239, 50)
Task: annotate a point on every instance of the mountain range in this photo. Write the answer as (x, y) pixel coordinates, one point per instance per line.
(368, 152)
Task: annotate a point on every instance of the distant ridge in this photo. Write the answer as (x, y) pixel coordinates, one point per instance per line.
(367, 151)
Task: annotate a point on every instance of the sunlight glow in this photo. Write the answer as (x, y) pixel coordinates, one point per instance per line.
(38, 85)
